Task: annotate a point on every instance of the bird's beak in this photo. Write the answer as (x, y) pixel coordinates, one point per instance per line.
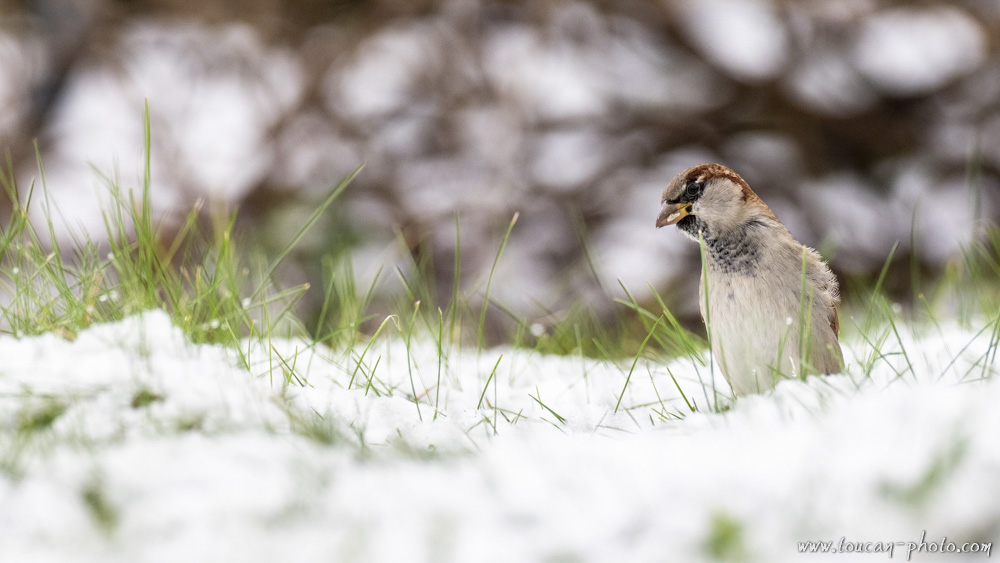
(671, 213)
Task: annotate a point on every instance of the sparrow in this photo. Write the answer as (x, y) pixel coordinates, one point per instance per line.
(769, 303)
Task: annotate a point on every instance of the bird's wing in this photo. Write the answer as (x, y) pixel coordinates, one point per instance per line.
(826, 286)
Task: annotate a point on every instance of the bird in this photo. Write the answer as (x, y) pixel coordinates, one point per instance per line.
(768, 302)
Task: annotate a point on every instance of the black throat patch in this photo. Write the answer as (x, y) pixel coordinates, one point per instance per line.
(733, 252)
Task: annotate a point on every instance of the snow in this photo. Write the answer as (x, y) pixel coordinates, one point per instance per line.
(382, 79)
(910, 51)
(210, 115)
(746, 38)
(217, 465)
(929, 197)
(825, 82)
(866, 227)
(567, 159)
(553, 78)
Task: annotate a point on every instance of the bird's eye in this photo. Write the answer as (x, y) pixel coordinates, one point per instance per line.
(693, 190)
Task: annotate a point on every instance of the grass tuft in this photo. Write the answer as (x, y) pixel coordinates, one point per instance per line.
(40, 417)
(213, 288)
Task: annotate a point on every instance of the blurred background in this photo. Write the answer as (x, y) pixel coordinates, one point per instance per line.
(862, 123)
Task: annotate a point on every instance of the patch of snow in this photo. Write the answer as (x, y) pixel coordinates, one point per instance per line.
(823, 81)
(746, 38)
(382, 79)
(909, 51)
(90, 123)
(217, 464)
(313, 153)
(433, 188)
(623, 249)
(567, 159)
(233, 92)
(855, 217)
(945, 211)
(210, 115)
(494, 136)
(549, 75)
(643, 72)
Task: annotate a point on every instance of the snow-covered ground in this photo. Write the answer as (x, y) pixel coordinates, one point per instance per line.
(161, 450)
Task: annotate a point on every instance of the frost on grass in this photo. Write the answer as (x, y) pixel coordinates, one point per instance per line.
(130, 444)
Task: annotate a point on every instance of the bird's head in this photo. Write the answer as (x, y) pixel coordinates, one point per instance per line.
(709, 196)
